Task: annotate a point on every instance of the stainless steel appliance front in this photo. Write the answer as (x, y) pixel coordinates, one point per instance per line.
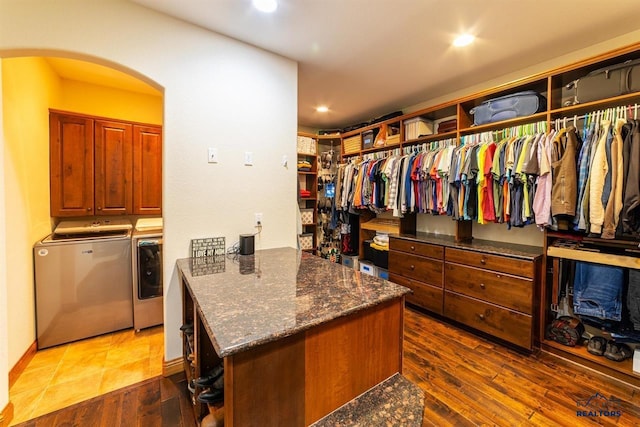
(83, 287)
(147, 284)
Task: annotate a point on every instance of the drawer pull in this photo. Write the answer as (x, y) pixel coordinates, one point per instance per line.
(413, 267)
(413, 248)
(483, 260)
(481, 316)
(482, 286)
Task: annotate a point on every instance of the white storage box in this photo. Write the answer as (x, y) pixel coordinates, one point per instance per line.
(307, 216)
(306, 241)
(417, 126)
(350, 261)
(306, 145)
(367, 267)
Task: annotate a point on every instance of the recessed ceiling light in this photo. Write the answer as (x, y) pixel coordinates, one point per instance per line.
(463, 40)
(266, 6)
(322, 109)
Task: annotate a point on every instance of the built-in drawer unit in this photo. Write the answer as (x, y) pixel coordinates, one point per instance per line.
(418, 266)
(491, 293)
(423, 295)
(487, 261)
(509, 325)
(472, 284)
(499, 288)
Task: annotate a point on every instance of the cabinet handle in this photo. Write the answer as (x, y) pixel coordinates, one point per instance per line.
(481, 316)
(88, 209)
(412, 267)
(99, 208)
(413, 248)
(483, 260)
(482, 286)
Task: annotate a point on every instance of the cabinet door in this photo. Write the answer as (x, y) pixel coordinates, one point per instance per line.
(71, 163)
(147, 170)
(113, 168)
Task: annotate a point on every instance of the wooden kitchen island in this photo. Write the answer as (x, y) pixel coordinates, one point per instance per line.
(299, 336)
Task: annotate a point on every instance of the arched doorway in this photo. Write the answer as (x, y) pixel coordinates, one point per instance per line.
(32, 85)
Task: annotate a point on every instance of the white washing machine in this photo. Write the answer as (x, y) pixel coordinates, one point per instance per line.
(146, 251)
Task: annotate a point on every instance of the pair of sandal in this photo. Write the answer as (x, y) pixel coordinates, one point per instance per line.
(610, 349)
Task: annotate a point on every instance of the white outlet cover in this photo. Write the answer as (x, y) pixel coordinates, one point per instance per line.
(248, 158)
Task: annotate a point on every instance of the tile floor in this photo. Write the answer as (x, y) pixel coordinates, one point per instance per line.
(61, 376)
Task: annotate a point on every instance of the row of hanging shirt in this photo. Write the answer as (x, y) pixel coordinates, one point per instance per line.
(411, 180)
(521, 175)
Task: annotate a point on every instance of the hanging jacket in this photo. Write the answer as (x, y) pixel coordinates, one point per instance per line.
(563, 171)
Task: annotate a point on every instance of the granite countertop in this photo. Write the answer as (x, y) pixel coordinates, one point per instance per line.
(486, 246)
(254, 299)
(394, 402)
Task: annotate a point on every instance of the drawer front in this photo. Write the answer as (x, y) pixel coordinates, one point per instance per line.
(414, 267)
(506, 324)
(424, 249)
(498, 288)
(425, 296)
(502, 264)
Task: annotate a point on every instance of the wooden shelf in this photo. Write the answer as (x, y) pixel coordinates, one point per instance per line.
(383, 225)
(595, 257)
(621, 370)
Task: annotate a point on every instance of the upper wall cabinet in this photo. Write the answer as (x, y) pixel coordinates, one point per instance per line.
(104, 167)
(147, 170)
(71, 165)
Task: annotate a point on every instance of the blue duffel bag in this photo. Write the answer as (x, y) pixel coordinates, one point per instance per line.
(509, 107)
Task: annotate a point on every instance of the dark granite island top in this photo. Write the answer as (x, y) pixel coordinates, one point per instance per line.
(256, 299)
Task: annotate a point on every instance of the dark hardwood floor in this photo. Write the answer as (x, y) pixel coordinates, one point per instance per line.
(162, 402)
(467, 380)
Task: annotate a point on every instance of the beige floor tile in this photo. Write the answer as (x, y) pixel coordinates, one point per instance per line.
(61, 376)
(123, 355)
(66, 394)
(47, 357)
(24, 403)
(37, 378)
(90, 366)
(79, 349)
(124, 375)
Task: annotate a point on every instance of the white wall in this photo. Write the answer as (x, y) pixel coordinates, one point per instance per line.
(218, 93)
(4, 360)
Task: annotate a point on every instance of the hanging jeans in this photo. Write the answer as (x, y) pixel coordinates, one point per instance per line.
(597, 291)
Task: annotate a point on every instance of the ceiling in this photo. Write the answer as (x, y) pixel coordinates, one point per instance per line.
(366, 58)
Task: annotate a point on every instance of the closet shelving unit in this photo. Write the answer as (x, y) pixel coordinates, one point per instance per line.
(308, 180)
(550, 84)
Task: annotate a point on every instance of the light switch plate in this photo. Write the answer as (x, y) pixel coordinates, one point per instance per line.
(248, 158)
(213, 155)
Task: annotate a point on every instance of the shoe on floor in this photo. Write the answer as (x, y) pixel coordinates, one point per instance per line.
(597, 345)
(211, 396)
(211, 377)
(617, 351)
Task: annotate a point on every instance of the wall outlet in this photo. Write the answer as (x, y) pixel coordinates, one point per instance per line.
(258, 219)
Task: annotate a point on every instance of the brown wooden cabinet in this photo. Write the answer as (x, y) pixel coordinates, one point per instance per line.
(471, 283)
(71, 165)
(483, 292)
(419, 267)
(112, 168)
(104, 167)
(147, 170)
